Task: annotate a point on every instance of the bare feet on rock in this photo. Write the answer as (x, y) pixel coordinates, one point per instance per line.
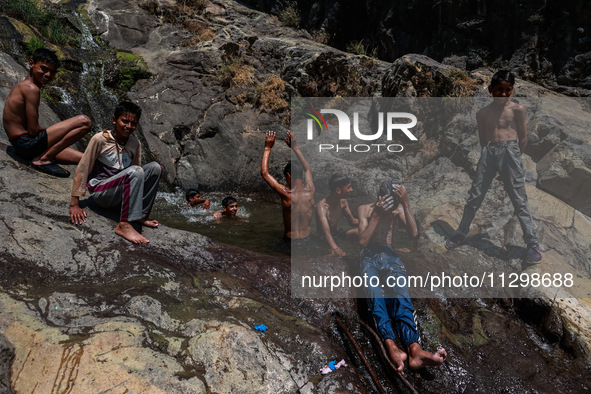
(419, 358)
(127, 231)
(396, 355)
(149, 222)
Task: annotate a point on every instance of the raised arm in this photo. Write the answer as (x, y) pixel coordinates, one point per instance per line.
(290, 140)
(275, 185)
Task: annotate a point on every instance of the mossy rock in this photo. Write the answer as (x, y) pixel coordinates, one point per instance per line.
(131, 69)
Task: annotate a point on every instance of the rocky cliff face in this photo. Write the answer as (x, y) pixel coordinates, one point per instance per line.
(178, 315)
(210, 101)
(547, 42)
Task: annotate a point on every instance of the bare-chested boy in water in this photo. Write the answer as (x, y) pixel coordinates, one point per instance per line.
(503, 137)
(21, 120)
(330, 209)
(378, 259)
(297, 199)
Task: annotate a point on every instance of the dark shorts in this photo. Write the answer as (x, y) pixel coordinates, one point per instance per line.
(30, 147)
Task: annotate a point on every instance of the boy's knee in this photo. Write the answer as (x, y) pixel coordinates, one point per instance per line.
(136, 171)
(83, 121)
(154, 168)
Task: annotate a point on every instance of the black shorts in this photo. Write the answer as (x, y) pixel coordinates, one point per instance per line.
(30, 147)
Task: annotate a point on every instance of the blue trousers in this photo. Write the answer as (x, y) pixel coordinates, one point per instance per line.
(390, 307)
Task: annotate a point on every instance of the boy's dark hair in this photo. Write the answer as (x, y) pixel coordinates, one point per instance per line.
(191, 193)
(228, 200)
(387, 189)
(127, 107)
(294, 169)
(338, 181)
(46, 55)
(502, 75)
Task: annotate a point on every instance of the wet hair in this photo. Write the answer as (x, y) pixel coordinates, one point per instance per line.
(46, 55)
(387, 189)
(338, 181)
(191, 193)
(294, 169)
(228, 200)
(127, 107)
(502, 75)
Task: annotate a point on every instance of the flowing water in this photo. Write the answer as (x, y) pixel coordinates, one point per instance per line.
(258, 227)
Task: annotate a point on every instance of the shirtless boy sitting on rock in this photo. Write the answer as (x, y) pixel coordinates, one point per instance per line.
(21, 120)
(111, 170)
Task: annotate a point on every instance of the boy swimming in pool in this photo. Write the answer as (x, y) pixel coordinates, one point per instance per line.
(42, 146)
(229, 208)
(194, 199)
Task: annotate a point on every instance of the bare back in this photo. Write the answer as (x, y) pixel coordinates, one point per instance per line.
(332, 211)
(301, 211)
(22, 99)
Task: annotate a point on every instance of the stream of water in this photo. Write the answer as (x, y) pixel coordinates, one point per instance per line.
(258, 227)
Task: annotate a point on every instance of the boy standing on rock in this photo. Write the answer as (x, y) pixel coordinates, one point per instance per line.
(503, 137)
(297, 199)
(21, 120)
(111, 170)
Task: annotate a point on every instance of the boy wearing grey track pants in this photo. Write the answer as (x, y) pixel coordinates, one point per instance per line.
(111, 171)
(503, 137)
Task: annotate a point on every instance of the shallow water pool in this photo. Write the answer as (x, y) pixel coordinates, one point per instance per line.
(259, 226)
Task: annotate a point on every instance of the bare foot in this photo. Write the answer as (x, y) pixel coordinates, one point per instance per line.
(149, 222)
(419, 358)
(126, 230)
(39, 162)
(396, 355)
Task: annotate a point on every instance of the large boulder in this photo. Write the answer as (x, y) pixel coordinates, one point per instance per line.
(209, 102)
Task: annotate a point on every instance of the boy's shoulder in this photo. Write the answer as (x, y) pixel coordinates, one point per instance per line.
(26, 87)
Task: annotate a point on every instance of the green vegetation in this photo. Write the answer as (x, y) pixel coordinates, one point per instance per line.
(356, 47)
(58, 33)
(33, 44)
(131, 69)
(291, 16)
(28, 11)
(32, 13)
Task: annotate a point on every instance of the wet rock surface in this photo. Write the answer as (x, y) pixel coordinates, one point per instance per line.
(177, 315)
(173, 316)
